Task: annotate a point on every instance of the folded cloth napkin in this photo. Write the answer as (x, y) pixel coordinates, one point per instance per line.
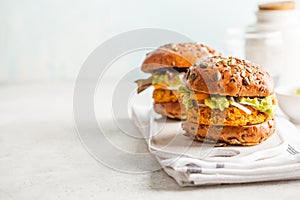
(191, 163)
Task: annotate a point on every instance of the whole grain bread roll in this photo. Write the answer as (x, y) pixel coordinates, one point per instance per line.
(231, 135)
(181, 56)
(229, 77)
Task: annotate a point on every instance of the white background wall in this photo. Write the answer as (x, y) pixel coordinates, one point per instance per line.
(42, 39)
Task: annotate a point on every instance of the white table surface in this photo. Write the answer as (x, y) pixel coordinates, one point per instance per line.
(41, 157)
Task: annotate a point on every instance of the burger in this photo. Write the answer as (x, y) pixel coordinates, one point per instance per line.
(228, 101)
(167, 65)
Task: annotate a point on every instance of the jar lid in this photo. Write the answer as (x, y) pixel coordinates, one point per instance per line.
(279, 5)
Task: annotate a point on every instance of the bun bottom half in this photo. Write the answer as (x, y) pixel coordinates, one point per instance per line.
(230, 135)
(172, 110)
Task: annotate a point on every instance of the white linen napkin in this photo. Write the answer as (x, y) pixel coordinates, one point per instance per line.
(193, 163)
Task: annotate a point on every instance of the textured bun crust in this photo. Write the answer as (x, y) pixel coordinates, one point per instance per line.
(173, 110)
(229, 77)
(231, 135)
(176, 55)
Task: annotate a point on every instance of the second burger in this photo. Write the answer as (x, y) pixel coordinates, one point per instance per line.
(166, 64)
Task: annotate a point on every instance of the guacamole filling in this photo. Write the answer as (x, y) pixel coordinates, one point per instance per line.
(263, 104)
(166, 80)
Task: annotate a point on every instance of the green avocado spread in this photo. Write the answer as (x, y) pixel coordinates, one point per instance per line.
(217, 102)
(264, 105)
(187, 101)
(164, 79)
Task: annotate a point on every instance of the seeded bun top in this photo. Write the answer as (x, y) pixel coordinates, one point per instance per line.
(176, 55)
(229, 77)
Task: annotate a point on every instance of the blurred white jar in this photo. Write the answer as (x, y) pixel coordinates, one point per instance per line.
(282, 18)
(266, 49)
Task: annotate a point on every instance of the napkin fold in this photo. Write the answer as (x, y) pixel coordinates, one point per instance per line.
(278, 158)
